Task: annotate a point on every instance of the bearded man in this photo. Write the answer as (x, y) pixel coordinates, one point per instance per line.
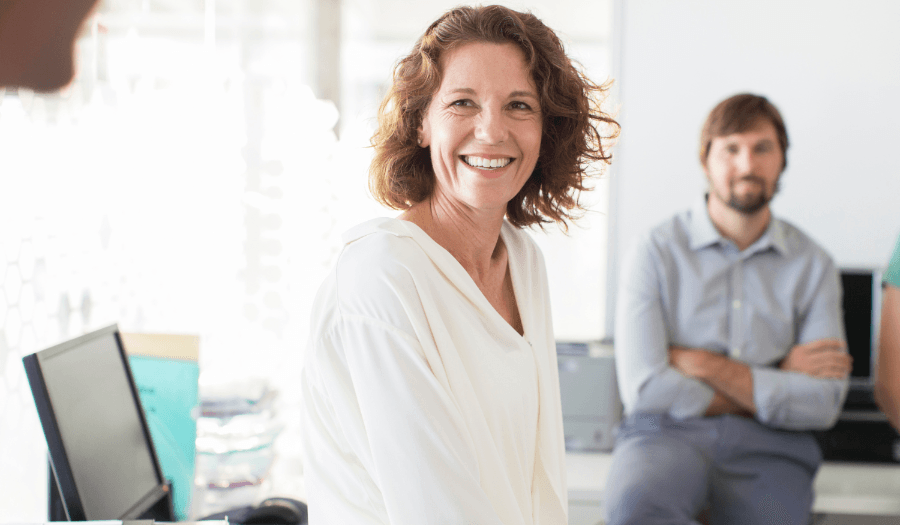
(729, 346)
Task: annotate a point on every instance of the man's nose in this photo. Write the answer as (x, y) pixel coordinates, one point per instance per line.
(491, 127)
(745, 161)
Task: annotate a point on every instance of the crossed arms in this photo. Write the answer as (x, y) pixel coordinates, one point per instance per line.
(732, 381)
(663, 303)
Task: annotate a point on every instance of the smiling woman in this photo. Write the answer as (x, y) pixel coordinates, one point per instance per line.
(430, 388)
(574, 129)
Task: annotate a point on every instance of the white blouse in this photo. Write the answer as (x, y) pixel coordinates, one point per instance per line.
(421, 403)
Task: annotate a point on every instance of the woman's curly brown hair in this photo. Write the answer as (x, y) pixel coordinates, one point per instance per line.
(401, 174)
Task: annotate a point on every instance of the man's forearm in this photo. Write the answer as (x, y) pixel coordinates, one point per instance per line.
(732, 379)
(721, 405)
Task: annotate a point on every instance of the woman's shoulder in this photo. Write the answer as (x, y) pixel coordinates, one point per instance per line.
(378, 247)
(522, 248)
(376, 272)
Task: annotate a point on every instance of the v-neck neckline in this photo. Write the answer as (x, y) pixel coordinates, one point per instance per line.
(448, 259)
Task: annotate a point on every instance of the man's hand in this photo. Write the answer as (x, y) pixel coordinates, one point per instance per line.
(731, 380)
(721, 405)
(821, 358)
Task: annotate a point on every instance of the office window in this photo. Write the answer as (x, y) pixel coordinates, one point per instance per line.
(193, 180)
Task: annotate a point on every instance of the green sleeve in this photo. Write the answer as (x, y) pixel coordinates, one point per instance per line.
(892, 275)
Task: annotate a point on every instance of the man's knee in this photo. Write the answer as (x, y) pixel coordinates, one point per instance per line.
(640, 504)
(643, 490)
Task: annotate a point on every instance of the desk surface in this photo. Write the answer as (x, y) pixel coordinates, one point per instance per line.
(841, 488)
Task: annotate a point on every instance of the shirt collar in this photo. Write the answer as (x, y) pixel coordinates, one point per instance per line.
(703, 233)
(701, 229)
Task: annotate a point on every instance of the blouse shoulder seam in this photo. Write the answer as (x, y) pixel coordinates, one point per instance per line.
(376, 322)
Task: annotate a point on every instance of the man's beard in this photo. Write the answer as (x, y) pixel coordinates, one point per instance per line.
(753, 202)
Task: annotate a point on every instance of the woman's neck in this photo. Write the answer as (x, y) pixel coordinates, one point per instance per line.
(471, 236)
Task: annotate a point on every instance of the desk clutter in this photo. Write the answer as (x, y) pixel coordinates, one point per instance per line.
(236, 431)
(132, 437)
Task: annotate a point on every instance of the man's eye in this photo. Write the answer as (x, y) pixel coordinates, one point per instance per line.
(732, 148)
(764, 148)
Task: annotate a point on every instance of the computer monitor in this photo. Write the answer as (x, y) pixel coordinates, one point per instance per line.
(101, 452)
(862, 312)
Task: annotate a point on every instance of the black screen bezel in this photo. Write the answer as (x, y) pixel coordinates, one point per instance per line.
(59, 460)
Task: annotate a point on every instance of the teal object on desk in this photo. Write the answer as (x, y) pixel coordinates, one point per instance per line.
(168, 389)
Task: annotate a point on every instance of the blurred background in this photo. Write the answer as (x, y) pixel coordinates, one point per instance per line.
(195, 179)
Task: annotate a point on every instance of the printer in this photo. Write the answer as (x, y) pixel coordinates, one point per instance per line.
(590, 395)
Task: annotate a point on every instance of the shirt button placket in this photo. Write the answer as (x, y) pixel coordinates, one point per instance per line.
(735, 313)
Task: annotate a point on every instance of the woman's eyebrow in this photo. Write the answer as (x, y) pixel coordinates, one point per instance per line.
(468, 91)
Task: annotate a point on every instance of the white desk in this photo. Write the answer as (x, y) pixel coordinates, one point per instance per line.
(841, 488)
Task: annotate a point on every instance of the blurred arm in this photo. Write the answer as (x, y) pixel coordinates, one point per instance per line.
(647, 382)
(790, 397)
(731, 380)
(887, 375)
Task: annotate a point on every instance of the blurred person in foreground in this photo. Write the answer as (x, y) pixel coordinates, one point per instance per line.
(887, 373)
(729, 343)
(37, 42)
(431, 392)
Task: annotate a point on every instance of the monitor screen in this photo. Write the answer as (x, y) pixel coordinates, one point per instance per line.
(861, 302)
(100, 448)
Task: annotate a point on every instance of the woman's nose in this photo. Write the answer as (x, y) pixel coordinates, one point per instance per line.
(491, 127)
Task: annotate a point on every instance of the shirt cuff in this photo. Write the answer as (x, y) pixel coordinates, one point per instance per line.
(769, 392)
(693, 399)
(672, 393)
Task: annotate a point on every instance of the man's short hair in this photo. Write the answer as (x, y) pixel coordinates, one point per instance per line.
(738, 114)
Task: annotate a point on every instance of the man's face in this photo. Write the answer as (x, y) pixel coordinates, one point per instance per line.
(743, 168)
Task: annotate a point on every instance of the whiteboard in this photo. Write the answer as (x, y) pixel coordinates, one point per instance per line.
(831, 67)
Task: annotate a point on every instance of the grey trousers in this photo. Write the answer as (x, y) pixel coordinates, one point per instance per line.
(665, 471)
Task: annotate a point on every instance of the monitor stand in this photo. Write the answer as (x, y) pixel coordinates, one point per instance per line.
(162, 510)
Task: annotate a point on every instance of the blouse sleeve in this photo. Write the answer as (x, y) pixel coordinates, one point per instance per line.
(379, 425)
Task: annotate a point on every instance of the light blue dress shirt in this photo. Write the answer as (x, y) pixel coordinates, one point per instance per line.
(684, 284)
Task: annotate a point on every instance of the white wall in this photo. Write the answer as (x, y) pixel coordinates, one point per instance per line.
(832, 68)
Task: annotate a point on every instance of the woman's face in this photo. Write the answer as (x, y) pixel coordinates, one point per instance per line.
(483, 126)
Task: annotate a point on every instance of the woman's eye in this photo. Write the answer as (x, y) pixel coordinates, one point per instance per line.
(520, 105)
(462, 102)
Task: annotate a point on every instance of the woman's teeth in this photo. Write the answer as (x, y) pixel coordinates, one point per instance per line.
(481, 162)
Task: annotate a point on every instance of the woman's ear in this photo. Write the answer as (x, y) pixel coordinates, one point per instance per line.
(424, 137)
